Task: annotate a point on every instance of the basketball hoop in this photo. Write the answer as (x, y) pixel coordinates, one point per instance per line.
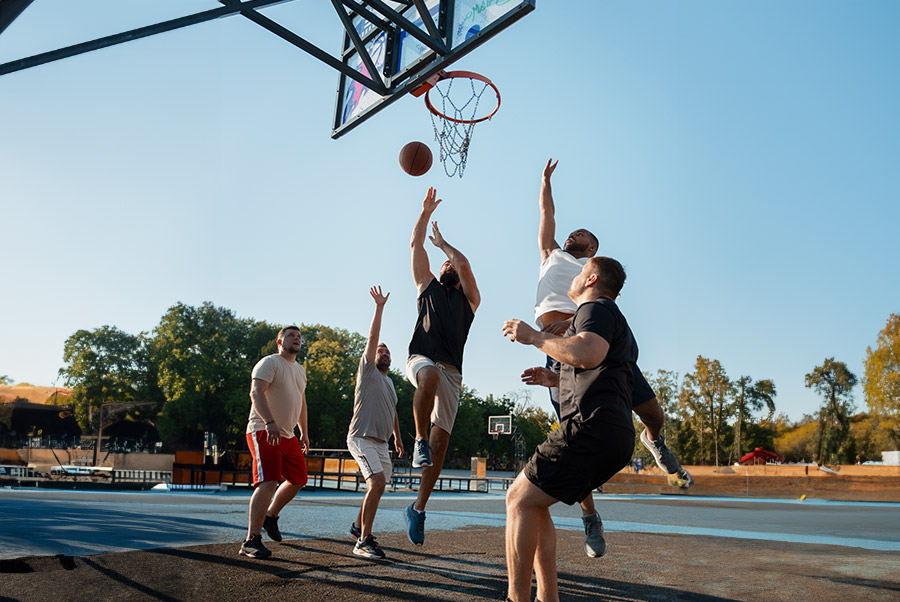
(457, 114)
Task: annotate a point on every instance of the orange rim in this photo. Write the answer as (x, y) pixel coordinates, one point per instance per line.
(465, 75)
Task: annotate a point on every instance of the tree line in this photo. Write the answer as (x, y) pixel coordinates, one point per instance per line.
(196, 363)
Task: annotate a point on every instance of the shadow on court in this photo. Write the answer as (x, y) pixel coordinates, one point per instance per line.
(462, 566)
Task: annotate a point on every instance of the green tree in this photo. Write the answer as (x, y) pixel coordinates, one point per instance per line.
(331, 358)
(203, 357)
(5, 380)
(881, 381)
(104, 365)
(705, 394)
(834, 382)
(749, 397)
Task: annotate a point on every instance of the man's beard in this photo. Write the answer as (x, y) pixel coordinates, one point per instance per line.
(383, 364)
(449, 279)
(574, 247)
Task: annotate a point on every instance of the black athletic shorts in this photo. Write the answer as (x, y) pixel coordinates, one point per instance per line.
(641, 391)
(578, 457)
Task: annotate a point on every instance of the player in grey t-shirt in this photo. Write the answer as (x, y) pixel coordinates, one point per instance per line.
(374, 419)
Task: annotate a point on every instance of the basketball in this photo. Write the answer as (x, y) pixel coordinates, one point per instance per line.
(415, 158)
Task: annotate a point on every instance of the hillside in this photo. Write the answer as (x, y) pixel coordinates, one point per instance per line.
(31, 393)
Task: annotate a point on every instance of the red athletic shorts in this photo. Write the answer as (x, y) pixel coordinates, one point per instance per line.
(275, 462)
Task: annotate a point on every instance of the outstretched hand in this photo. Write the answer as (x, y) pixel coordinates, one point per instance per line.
(550, 168)
(540, 376)
(430, 204)
(380, 299)
(436, 238)
(519, 331)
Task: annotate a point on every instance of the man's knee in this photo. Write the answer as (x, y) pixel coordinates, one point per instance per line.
(427, 379)
(376, 483)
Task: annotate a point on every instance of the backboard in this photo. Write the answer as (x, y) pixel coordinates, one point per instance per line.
(500, 425)
(398, 44)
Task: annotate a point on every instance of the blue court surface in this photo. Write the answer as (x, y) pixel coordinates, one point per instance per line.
(46, 522)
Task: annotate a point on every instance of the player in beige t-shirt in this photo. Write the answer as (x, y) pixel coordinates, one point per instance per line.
(374, 420)
(277, 393)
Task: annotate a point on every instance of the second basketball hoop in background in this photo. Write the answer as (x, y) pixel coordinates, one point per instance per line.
(415, 158)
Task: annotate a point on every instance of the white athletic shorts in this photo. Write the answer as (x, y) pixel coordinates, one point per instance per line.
(446, 397)
(371, 456)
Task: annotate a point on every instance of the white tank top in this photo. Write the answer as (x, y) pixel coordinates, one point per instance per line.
(557, 273)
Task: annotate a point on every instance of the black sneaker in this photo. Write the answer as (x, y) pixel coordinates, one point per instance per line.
(254, 548)
(270, 526)
(368, 548)
(355, 532)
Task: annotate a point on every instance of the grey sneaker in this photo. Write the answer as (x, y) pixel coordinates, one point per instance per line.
(661, 453)
(270, 526)
(594, 544)
(685, 477)
(254, 548)
(355, 532)
(415, 525)
(421, 454)
(368, 548)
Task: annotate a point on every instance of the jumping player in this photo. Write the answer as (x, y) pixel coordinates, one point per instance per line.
(553, 313)
(446, 310)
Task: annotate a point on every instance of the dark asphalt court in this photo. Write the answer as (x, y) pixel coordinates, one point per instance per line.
(465, 565)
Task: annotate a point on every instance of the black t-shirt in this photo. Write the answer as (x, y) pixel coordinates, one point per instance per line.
(442, 326)
(601, 393)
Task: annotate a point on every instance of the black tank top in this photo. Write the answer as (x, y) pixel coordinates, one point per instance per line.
(442, 326)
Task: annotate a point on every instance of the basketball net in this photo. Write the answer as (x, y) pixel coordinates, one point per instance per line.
(455, 116)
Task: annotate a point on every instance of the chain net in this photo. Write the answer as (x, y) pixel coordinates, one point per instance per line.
(453, 138)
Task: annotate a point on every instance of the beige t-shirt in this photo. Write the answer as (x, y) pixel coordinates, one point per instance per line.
(287, 381)
(374, 403)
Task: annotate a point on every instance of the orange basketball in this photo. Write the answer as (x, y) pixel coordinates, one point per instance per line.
(415, 158)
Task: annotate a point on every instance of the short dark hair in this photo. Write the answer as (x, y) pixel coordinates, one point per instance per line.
(285, 329)
(610, 275)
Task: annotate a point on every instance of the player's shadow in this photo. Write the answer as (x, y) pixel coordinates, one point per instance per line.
(575, 588)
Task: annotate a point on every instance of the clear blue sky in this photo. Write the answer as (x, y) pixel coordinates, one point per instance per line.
(740, 158)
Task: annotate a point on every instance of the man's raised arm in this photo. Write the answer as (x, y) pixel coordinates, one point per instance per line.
(547, 231)
(375, 326)
(461, 265)
(421, 271)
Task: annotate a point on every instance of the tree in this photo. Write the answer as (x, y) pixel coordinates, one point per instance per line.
(834, 381)
(101, 366)
(203, 357)
(705, 394)
(331, 358)
(749, 397)
(881, 383)
(5, 380)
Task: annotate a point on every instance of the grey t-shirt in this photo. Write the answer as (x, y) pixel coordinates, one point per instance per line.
(374, 403)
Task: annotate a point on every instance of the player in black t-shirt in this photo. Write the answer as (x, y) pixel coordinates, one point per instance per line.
(446, 308)
(595, 437)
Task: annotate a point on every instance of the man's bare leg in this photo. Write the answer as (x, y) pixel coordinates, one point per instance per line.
(284, 494)
(259, 503)
(438, 441)
(374, 490)
(527, 507)
(652, 416)
(587, 508)
(427, 379)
